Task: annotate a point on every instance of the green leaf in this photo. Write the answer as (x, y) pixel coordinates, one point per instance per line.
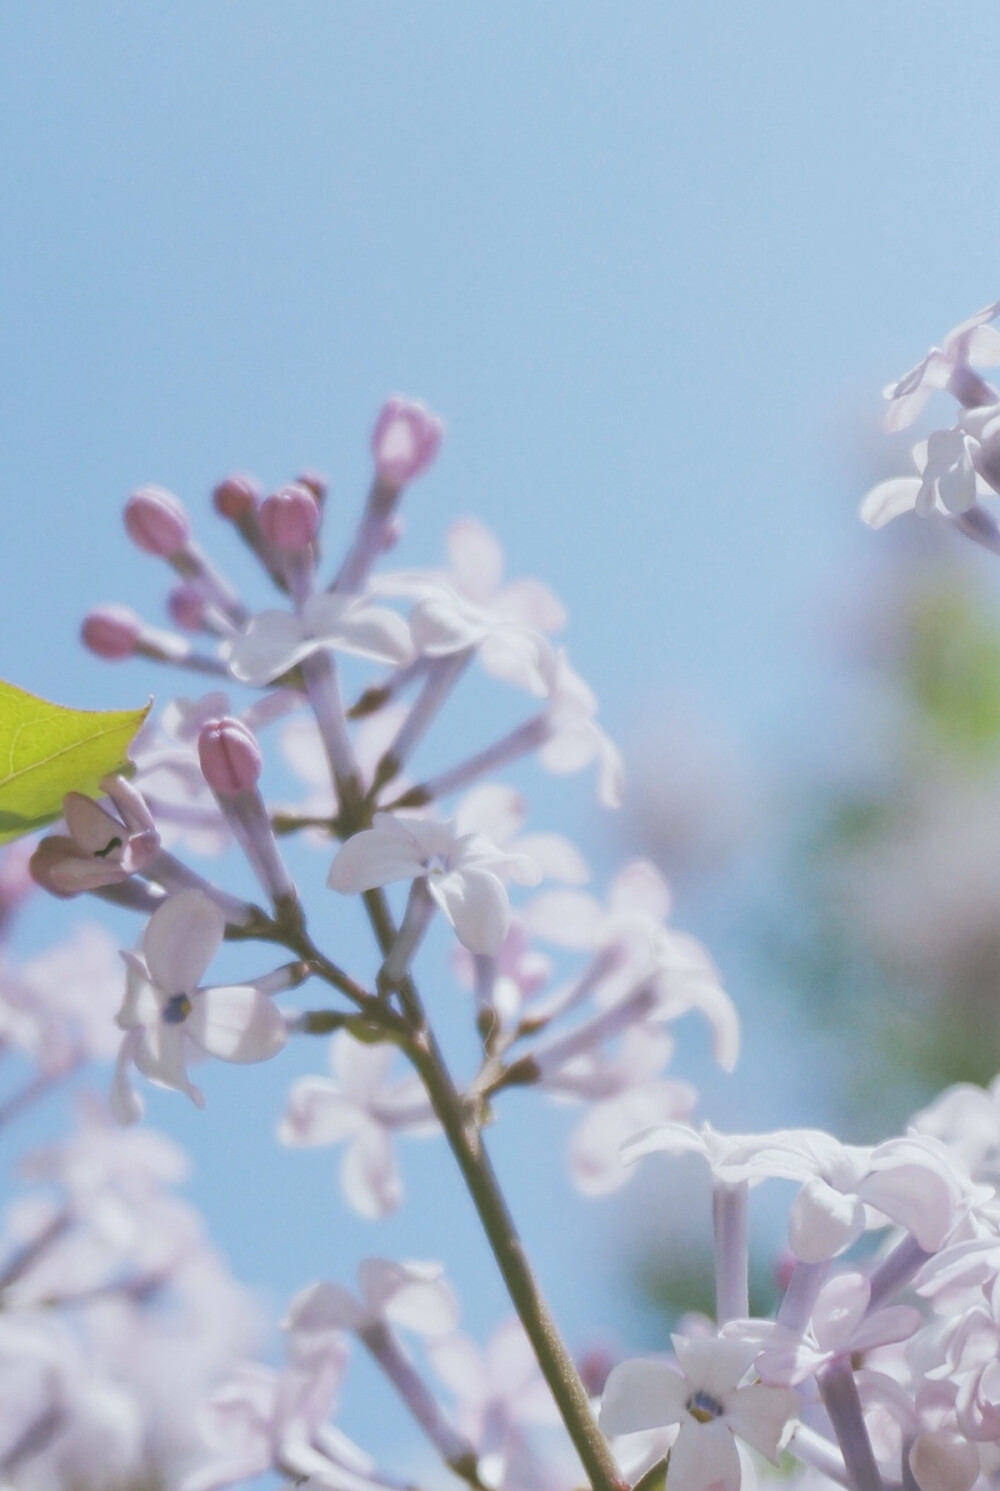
(47, 751)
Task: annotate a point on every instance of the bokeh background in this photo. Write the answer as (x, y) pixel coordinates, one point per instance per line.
(653, 263)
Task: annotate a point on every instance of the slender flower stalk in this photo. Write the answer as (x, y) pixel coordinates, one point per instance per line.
(520, 742)
(729, 1220)
(456, 1451)
(441, 677)
(840, 1398)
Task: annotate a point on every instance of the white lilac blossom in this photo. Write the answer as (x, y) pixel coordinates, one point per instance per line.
(707, 1399)
(501, 1401)
(468, 610)
(168, 1019)
(462, 872)
(912, 1181)
(361, 1107)
(650, 954)
(573, 737)
(413, 1295)
(625, 1092)
(269, 1420)
(841, 1325)
(973, 341)
(949, 482)
(276, 641)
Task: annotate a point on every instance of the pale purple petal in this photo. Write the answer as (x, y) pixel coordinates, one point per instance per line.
(236, 1023)
(943, 1461)
(181, 939)
(888, 500)
(823, 1222)
(413, 1296)
(358, 628)
(532, 604)
(476, 558)
(557, 858)
(440, 626)
(317, 1113)
(273, 642)
(324, 1307)
(369, 1174)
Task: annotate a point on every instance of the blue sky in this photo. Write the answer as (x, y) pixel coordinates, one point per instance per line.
(651, 262)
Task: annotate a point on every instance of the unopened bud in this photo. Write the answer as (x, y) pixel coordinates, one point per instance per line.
(236, 496)
(156, 522)
(315, 481)
(186, 605)
(289, 519)
(111, 632)
(229, 755)
(405, 440)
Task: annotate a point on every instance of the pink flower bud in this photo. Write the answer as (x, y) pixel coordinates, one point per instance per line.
(236, 496)
(156, 522)
(289, 519)
(229, 755)
(315, 481)
(405, 440)
(186, 605)
(111, 632)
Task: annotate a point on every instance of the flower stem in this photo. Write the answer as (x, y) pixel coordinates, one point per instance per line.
(466, 1141)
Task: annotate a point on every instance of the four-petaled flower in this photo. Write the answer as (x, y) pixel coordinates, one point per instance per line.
(167, 1018)
(706, 1399)
(275, 641)
(461, 872)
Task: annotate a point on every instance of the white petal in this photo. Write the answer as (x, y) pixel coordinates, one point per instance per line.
(440, 626)
(566, 917)
(317, 1113)
(181, 939)
(324, 1307)
(414, 1296)
(475, 902)
(759, 1415)
(556, 857)
(888, 500)
(704, 1455)
(272, 643)
(532, 604)
(476, 558)
(376, 856)
(713, 1365)
(369, 1174)
(236, 1023)
(360, 629)
(642, 1394)
(639, 886)
(125, 1104)
(823, 1222)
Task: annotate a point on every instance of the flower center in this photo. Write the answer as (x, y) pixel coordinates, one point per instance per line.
(176, 1009)
(703, 1407)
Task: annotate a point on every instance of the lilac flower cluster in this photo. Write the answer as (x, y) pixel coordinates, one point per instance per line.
(879, 1368)
(117, 1316)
